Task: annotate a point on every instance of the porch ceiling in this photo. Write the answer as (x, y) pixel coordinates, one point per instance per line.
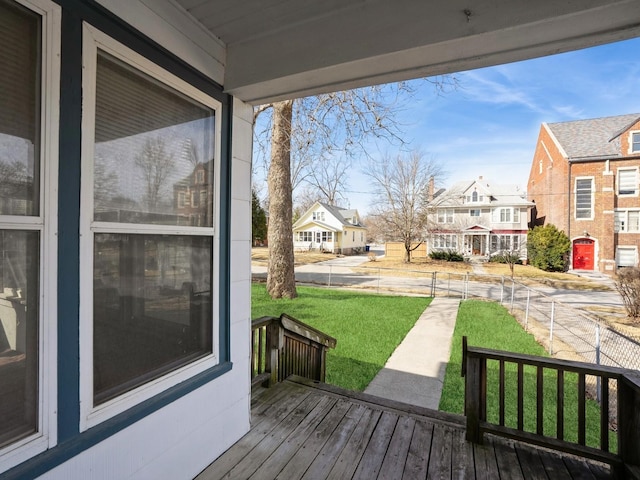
(278, 49)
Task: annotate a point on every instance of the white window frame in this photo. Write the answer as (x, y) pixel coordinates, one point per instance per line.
(626, 247)
(634, 134)
(622, 223)
(476, 210)
(47, 224)
(446, 215)
(575, 198)
(91, 415)
(635, 183)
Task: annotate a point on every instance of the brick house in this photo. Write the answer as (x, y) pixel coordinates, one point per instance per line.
(584, 180)
(479, 218)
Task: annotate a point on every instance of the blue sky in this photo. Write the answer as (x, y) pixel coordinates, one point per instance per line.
(489, 125)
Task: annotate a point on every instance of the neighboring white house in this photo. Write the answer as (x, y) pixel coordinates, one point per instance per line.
(327, 228)
(479, 218)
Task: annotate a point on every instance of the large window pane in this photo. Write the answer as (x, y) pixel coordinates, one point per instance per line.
(19, 109)
(19, 268)
(153, 151)
(152, 307)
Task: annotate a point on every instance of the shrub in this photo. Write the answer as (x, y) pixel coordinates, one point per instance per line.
(447, 255)
(548, 248)
(628, 285)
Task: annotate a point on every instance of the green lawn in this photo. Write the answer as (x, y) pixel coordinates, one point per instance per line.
(489, 325)
(367, 327)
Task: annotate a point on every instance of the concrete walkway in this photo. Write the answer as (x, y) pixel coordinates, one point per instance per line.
(415, 371)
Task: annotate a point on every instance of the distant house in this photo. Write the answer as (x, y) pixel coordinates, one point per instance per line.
(479, 218)
(193, 196)
(327, 228)
(584, 180)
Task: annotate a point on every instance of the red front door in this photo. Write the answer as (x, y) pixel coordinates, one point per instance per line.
(583, 254)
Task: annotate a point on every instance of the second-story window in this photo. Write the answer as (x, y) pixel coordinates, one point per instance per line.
(318, 216)
(474, 212)
(627, 181)
(445, 215)
(635, 142)
(584, 198)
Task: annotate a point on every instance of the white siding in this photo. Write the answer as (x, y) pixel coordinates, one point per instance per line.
(181, 439)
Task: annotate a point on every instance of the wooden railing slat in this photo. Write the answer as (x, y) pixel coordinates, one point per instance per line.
(502, 393)
(540, 400)
(604, 415)
(560, 406)
(582, 414)
(520, 396)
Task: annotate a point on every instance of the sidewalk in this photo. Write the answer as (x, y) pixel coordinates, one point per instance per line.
(415, 371)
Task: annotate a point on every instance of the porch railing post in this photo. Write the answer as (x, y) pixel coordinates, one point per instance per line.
(275, 340)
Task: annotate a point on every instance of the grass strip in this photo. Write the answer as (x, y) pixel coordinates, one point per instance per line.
(368, 327)
(489, 325)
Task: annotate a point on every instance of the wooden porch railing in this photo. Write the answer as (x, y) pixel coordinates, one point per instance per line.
(625, 384)
(283, 346)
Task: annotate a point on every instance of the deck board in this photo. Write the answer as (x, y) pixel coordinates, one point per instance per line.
(304, 430)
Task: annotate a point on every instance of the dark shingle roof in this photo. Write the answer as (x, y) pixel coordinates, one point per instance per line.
(597, 137)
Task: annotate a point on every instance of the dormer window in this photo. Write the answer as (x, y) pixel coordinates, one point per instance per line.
(474, 196)
(354, 220)
(635, 142)
(318, 216)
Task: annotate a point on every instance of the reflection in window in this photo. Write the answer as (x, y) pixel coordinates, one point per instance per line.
(152, 307)
(20, 64)
(18, 334)
(153, 146)
(19, 110)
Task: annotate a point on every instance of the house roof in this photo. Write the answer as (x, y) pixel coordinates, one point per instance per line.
(500, 194)
(343, 214)
(592, 138)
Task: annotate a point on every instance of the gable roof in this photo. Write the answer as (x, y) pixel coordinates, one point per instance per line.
(343, 215)
(592, 138)
(500, 194)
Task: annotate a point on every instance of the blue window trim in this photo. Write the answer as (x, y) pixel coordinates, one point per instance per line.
(71, 441)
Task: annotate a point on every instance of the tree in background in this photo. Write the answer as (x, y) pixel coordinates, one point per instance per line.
(401, 187)
(548, 248)
(258, 220)
(312, 139)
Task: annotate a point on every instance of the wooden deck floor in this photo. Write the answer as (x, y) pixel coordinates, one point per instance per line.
(302, 430)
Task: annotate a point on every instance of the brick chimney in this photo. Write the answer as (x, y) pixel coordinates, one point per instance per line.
(431, 189)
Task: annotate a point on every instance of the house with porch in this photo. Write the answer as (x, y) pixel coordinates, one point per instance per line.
(478, 218)
(124, 329)
(327, 228)
(584, 180)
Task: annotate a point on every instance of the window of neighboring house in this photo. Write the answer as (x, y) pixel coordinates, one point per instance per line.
(627, 221)
(635, 142)
(474, 212)
(181, 199)
(29, 102)
(474, 196)
(627, 181)
(445, 215)
(327, 236)
(500, 242)
(445, 241)
(502, 215)
(305, 236)
(318, 216)
(148, 306)
(584, 198)
(353, 236)
(626, 256)
(200, 176)
(203, 198)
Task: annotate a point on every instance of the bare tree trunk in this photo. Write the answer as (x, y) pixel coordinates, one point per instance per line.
(280, 275)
